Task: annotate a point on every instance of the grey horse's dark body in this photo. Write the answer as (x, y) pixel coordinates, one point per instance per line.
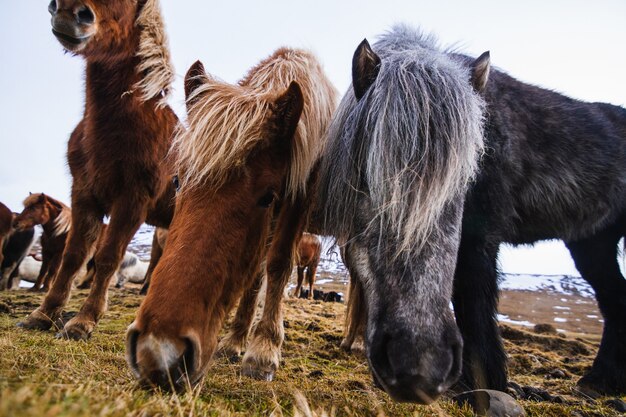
(555, 168)
(552, 168)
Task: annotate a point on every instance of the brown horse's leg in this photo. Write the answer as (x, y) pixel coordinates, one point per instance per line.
(53, 267)
(263, 355)
(356, 319)
(310, 276)
(296, 292)
(126, 217)
(43, 273)
(155, 255)
(84, 231)
(356, 313)
(234, 343)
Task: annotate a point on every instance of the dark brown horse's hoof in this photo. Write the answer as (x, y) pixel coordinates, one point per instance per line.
(37, 321)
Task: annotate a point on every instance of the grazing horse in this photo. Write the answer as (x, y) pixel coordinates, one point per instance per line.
(308, 256)
(118, 152)
(55, 219)
(402, 149)
(246, 164)
(554, 169)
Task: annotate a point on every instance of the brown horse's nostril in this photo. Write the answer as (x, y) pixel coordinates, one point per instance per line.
(52, 7)
(85, 16)
(131, 349)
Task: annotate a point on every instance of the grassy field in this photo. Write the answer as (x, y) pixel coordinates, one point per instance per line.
(43, 376)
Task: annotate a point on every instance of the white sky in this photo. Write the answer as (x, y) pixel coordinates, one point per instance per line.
(573, 46)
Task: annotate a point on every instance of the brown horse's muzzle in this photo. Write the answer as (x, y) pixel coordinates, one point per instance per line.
(173, 364)
(73, 23)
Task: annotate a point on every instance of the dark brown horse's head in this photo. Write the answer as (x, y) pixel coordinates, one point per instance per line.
(36, 211)
(89, 26)
(234, 161)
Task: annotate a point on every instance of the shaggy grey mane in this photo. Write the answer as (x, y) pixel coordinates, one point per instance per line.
(411, 144)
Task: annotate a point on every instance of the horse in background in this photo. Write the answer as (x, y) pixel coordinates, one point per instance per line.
(403, 147)
(16, 247)
(6, 225)
(131, 269)
(554, 170)
(247, 170)
(117, 153)
(55, 219)
(307, 258)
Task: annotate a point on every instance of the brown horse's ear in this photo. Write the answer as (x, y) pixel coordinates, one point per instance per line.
(288, 108)
(480, 72)
(42, 198)
(194, 78)
(365, 68)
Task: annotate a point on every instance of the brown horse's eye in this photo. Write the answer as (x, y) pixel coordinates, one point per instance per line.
(267, 199)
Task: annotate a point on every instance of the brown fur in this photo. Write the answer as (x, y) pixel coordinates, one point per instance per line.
(308, 256)
(6, 221)
(158, 243)
(230, 217)
(117, 153)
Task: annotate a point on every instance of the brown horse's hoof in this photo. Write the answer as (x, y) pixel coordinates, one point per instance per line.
(76, 330)
(38, 321)
(593, 387)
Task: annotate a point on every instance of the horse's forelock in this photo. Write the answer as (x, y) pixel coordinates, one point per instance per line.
(413, 140)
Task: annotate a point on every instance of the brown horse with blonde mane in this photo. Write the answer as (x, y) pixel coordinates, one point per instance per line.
(309, 251)
(246, 167)
(117, 153)
(55, 219)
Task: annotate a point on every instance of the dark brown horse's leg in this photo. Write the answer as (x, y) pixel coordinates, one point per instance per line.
(126, 217)
(300, 271)
(86, 225)
(262, 357)
(234, 343)
(155, 255)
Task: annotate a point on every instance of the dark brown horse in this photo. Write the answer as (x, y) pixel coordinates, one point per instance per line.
(6, 220)
(117, 153)
(245, 167)
(308, 256)
(55, 219)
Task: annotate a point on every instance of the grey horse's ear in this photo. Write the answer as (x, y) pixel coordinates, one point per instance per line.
(194, 78)
(365, 68)
(480, 72)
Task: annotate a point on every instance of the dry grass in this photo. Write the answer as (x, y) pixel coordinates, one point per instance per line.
(43, 376)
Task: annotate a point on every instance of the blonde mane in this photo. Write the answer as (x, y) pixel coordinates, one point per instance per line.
(225, 120)
(155, 62)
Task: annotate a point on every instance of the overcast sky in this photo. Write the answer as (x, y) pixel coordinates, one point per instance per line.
(573, 46)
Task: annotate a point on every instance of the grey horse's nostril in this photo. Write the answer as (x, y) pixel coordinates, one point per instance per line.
(85, 16)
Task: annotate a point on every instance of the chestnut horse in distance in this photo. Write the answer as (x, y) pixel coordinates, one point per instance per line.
(309, 251)
(246, 167)
(55, 219)
(117, 153)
